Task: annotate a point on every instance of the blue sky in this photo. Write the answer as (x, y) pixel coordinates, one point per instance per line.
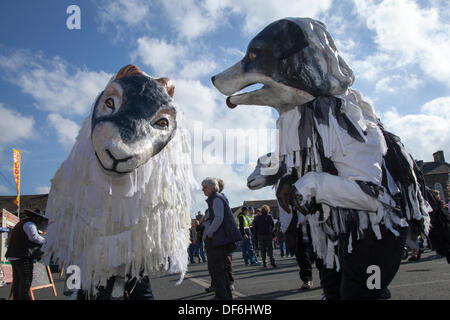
(49, 75)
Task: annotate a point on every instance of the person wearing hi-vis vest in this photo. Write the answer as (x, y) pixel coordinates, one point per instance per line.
(244, 223)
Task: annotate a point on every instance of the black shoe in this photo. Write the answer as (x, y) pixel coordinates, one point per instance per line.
(385, 294)
(209, 289)
(274, 265)
(264, 265)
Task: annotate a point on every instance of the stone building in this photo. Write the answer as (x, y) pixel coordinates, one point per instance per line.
(437, 174)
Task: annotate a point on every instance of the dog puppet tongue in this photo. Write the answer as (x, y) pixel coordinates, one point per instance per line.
(230, 105)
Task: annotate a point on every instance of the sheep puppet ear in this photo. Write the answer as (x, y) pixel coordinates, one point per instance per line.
(168, 84)
(130, 70)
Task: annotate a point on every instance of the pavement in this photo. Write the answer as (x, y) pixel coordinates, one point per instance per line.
(427, 279)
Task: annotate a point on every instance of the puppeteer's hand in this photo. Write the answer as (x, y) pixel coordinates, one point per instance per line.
(297, 199)
(283, 192)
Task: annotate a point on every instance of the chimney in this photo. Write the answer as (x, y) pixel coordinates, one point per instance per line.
(419, 163)
(438, 156)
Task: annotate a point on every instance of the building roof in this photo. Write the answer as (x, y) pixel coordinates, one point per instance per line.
(273, 204)
(35, 201)
(435, 168)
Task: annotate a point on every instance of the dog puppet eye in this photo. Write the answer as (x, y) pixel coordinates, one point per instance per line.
(110, 103)
(163, 123)
(252, 56)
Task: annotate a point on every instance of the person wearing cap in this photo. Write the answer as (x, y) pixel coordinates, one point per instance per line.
(24, 242)
(251, 215)
(244, 224)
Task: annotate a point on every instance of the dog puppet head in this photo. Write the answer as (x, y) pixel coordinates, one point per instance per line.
(267, 172)
(295, 59)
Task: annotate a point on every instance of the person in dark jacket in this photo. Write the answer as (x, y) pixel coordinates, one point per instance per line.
(220, 235)
(199, 250)
(24, 243)
(264, 225)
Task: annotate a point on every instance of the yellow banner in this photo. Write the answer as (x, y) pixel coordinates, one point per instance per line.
(17, 173)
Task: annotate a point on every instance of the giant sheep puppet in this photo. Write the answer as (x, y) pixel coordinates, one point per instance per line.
(119, 204)
(358, 188)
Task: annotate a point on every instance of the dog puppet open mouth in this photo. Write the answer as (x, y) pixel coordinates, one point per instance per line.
(235, 79)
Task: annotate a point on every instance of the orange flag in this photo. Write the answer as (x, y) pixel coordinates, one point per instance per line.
(17, 173)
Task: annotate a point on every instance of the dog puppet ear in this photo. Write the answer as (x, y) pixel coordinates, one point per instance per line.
(288, 40)
(168, 85)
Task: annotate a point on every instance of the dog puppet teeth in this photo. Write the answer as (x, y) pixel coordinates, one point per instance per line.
(230, 105)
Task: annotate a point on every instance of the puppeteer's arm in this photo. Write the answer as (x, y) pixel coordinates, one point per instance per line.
(334, 191)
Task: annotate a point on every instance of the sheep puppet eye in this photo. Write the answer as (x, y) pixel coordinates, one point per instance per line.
(163, 123)
(110, 103)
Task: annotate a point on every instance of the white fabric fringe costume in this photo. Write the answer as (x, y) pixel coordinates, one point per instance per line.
(354, 161)
(118, 226)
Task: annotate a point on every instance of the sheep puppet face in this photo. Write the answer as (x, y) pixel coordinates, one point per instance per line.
(133, 120)
(119, 204)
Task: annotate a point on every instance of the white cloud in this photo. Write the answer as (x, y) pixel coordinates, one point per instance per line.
(66, 129)
(172, 59)
(396, 82)
(118, 18)
(410, 34)
(52, 85)
(192, 19)
(370, 67)
(163, 57)
(14, 126)
(42, 190)
(424, 133)
(260, 13)
(204, 105)
(130, 12)
(197, 69)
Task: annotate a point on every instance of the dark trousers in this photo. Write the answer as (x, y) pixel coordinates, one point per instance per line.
(266, 247)
(351, 281)
(230, 267)
(305, 256)
(22, 278)
(136, 288)
(217, 258)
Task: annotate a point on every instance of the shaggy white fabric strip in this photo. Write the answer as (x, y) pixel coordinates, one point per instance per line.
(124, 225)
(354, 161)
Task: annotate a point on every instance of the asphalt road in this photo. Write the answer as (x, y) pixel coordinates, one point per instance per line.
(427, 279)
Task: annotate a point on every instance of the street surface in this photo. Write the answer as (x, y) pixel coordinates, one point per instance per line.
(428, 279)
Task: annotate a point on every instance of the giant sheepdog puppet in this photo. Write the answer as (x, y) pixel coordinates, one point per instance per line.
(119, 204)
(352, 180)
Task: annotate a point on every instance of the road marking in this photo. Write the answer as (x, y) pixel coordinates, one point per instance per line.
(418, 284)
(207, 284)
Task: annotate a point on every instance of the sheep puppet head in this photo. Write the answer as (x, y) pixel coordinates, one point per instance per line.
(119, 204)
